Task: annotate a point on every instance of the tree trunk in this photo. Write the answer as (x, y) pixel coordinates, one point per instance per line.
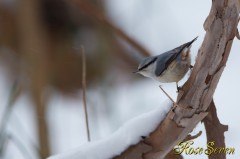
(197, 93)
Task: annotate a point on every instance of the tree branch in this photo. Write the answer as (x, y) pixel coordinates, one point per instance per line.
(215, 131)
(196, 95)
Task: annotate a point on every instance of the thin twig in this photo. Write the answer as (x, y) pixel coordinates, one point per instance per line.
(84, 91)
(167, 94)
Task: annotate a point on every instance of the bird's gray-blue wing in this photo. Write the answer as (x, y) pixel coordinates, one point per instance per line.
(146, 62)
(163, 61)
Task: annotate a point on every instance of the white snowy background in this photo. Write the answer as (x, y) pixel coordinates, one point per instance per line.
(159, 26)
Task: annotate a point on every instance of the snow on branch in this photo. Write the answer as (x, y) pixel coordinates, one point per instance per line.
(127, 135)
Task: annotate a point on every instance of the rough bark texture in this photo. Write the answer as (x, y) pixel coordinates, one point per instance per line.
(196, 94)
(215, 130)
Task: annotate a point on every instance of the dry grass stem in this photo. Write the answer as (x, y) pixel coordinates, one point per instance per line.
(167, 94)
(84, 85)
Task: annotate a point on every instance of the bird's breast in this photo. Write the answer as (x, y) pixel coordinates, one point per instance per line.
(175, 71)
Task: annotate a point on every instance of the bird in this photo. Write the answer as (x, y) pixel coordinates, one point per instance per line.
(170, 66)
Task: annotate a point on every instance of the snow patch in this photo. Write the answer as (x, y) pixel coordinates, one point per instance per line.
(129, 134)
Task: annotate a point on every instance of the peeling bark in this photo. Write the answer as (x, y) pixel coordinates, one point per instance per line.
(197, 93)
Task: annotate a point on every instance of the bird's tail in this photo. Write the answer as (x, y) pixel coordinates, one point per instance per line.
(186, 49)
(190, 43)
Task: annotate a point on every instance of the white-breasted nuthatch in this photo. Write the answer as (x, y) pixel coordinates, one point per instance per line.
(168, 67)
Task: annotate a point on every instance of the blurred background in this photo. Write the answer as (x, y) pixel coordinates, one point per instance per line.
(41, 41)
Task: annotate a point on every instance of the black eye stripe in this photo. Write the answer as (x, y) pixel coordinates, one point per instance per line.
(145, 66)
